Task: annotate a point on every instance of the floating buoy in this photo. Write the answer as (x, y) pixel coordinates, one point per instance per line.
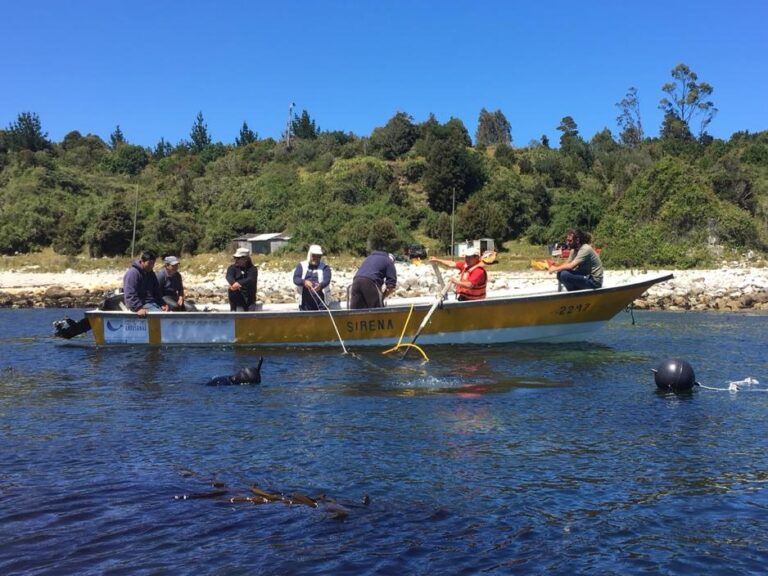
(674, 375)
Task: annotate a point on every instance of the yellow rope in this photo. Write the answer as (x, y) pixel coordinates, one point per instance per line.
(399, 342)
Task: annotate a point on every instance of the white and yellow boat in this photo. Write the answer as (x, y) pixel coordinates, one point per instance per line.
(500, 318)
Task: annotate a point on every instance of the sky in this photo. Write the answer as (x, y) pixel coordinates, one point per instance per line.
(150, 66)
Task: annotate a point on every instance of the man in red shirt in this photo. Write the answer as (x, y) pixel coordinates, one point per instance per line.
(471, 282)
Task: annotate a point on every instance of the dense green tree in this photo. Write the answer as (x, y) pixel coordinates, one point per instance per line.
(493, 128)
(26, 134)
(111, 232)
(246, 136)
(199, 136)
(128, 159)
(304, 127)
(396, 137)
(452, 171)
(687, 98)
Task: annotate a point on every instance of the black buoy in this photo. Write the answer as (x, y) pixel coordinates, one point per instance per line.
(674, 375)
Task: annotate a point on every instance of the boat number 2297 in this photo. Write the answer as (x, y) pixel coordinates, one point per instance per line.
(573, 309)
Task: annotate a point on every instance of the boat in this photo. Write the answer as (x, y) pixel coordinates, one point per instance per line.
(509, 316)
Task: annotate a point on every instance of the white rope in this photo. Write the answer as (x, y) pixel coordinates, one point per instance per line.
(319, 301)
(745, 385)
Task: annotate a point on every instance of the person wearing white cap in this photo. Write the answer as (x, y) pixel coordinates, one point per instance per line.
(172, 286)
(312, 278)
(242, 277)
(471, 282)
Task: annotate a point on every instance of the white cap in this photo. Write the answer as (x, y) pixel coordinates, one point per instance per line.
(315, 249)
(242, 253)
(471, 252)
(171, 260)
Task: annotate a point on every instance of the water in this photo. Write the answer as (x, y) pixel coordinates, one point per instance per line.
(487, 460)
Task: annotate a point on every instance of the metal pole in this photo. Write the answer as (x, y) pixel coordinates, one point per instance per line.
(135, 214)
(453, 211)
(288, 127)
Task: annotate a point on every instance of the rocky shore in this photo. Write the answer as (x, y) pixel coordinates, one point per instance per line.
(733, 287)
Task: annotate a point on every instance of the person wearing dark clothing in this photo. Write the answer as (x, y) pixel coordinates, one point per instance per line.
(172, 286)
(242, 277)
(141, 289)
(312, 278)
(376, 272)
(583, 270)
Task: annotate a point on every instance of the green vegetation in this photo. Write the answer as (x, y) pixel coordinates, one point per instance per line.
(677, 200)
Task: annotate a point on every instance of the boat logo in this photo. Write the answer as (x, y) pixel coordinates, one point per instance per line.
(114, 328)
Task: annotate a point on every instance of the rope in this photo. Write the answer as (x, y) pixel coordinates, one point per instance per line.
(401, 345)
(318, 302)
(738, 386)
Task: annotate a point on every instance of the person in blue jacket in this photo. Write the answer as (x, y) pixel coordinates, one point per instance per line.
(374, 281)
(141, 290)
(312, 277)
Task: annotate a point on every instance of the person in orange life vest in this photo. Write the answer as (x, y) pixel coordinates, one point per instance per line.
(471, 282)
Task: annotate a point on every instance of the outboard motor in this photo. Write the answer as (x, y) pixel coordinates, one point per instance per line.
(68, 328)
(674, 375)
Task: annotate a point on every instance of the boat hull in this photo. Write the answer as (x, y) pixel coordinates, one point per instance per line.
(550, 317)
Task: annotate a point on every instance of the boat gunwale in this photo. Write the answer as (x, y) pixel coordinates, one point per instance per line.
(396, 306)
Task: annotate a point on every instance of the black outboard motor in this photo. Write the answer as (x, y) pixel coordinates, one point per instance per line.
(250, 375)
(674, 375)
(68, 328)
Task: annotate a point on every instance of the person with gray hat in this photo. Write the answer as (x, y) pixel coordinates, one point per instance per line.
(242, 277)
(172, 286)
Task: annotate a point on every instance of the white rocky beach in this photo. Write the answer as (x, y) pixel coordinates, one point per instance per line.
(734, 286)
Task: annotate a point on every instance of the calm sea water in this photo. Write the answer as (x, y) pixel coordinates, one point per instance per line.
(486, 460)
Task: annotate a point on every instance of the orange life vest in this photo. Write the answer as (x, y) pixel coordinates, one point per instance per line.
(476, 292)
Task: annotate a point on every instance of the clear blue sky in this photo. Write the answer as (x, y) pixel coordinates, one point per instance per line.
(152, 65)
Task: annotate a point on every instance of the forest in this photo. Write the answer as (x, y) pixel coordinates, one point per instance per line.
(681, 199)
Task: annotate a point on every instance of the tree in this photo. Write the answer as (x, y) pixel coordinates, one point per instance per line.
(451, 170)
(396, 137)
(128, 159)
(629, 120)
(27, 134)
(116, 138)
(492, 128)
(162, 149)
(304, 127)
(199, 135)
(688, 98)
(247, 136)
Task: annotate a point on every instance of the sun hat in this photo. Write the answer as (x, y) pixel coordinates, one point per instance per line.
(489, 257)
(315, 249)
(171, 260)
(471, 252)
(242, 253)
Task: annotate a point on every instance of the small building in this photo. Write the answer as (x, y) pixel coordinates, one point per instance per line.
(262, 243)
(482, 244)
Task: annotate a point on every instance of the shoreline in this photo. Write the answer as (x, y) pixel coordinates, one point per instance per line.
(726, 288)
